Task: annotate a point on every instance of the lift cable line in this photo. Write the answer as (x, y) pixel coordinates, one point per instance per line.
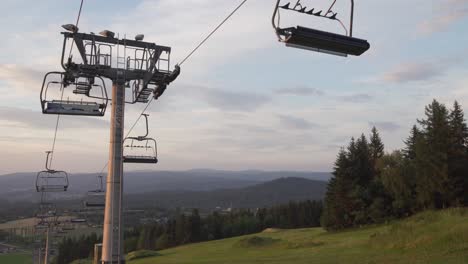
(61, 97)
(180, 64)
(76, 25)
(212, 32)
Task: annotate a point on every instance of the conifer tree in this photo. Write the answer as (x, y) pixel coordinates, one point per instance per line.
(457, 158)
(432, 157)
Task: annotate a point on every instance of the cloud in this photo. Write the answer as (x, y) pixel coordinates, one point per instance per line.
(233, 101)
(448, 13)
(409, 72)
(292, 122)
(355, 98)
(385, 126)
(220, 99)
(419, 71)
(300, 91)
(20, 77)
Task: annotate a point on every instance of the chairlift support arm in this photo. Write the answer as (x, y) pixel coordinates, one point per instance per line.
(351, 21)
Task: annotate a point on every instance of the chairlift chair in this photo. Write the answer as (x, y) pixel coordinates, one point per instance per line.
(96, 198)
(318, 40)
(140, 149)
(55, 84)
(50, 180)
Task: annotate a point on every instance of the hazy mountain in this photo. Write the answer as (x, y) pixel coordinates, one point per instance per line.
(21, 186)
(269, 193)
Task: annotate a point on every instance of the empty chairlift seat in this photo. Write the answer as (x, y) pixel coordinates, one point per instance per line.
(95, 199)
(64, 95)
(52, 181)
(143, 151)
(74, 108)
(140, 149)
(318, 40)
(321, 41)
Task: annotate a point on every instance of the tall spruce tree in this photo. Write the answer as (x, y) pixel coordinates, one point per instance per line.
(337, 199)
(409, 151)
(457, 158)
(376, 146)
(432, 157)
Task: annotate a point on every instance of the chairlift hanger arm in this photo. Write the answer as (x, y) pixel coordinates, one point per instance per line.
(276, 12)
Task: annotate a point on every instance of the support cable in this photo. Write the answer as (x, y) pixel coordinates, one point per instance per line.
(63, 89)
(212, 32)
(76, 24)
(182, 62)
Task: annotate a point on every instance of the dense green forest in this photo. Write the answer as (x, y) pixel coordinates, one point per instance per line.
(430, 172)
(184, 229)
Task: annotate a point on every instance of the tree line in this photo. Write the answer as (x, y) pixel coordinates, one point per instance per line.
(184, 229)
(190, 228)
(430, 172)
(71, 249)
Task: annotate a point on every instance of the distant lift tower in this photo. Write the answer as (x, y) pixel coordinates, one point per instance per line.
(142, 67)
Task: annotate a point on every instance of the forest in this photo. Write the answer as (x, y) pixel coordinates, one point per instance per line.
(430, 172)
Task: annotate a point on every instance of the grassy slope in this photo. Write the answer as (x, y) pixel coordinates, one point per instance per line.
(16, 258)
(430, 237)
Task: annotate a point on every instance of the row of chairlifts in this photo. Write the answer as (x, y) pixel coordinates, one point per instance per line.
(317, 40)
(50, 180)
(140, 149)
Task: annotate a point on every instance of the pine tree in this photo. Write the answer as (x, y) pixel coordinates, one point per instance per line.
(337, 202)
(432, 157)
(376, 146)
(409, 151)
(457, 158)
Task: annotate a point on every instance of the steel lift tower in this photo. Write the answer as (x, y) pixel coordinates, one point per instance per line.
(142, 68)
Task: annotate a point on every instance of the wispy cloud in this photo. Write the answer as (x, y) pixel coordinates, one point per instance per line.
(355, 98)
(292, 122)
(409, 72)
(300, 91)
(447, 13)
(418, 71)
(21, 77)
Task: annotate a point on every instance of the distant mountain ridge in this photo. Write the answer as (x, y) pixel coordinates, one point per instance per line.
(278, 191)
(21, 186)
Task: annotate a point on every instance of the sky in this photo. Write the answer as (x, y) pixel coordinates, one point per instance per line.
(244, 100)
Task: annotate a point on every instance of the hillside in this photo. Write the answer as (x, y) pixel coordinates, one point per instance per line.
(265, 194)
(429, 237)
(20, 186)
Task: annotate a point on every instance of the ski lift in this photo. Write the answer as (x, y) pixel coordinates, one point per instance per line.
(96, 198)
(317, 40)
(140, 149)
(51, 180)
(62, 94)
(46, 210)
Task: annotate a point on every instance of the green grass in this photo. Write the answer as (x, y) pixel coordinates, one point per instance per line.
(429, 237)
(16, 258)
